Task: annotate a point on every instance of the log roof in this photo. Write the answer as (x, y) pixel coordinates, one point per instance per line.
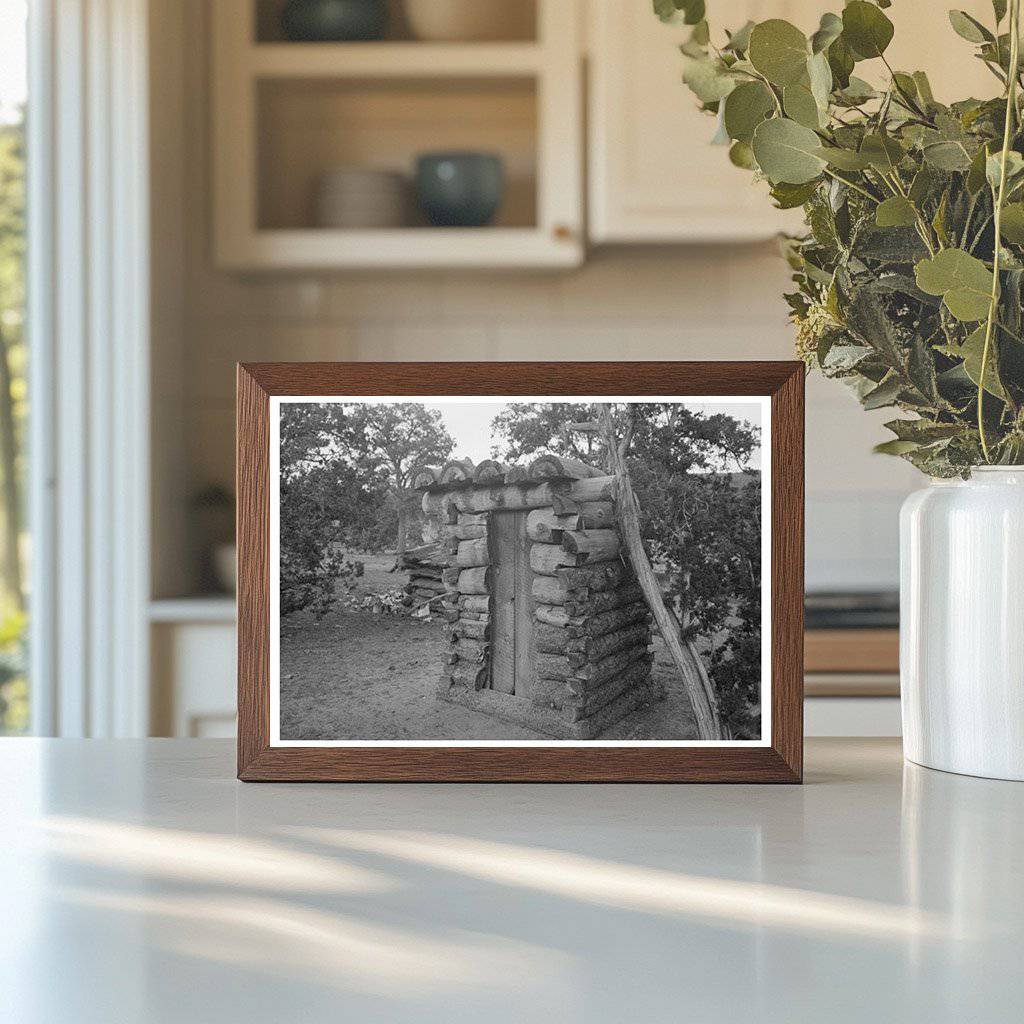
(462, 473)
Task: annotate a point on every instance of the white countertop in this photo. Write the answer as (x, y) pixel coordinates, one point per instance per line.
(140, 882)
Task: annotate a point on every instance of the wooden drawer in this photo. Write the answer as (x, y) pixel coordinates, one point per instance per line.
(855, 651)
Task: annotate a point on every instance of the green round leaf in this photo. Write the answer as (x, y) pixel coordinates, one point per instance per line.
(969, 28)
(741, 155)
(844, 159)
(883, 152)
(896, 447)
(963, 281)
(829, 30)
(779, 51)
(840, 61)
(740, 39)
(866, 29)
(1012, 224)
(745, 108)
(857, 91)
(994, 164)
(947, 156)
(800, 105)
(788, 197)
(972, 351)
(707, 79)
(690, 12)
(924, 87)
(693, 11)
(819, 75)
(976, 173)
(787, 152)
(895, 212)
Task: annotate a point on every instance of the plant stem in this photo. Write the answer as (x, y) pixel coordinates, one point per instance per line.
(1012, 334)
(907, 99)
(775, 98)
(980, 232)
(894, 183)
(1011, 109)
(853, 185)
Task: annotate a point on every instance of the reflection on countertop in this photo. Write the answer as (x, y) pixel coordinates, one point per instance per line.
(143, 883)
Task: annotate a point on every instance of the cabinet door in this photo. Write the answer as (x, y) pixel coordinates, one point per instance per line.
(285, 114)
(654, 177)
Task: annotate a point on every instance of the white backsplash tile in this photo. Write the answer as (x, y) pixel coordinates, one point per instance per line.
(661, 303)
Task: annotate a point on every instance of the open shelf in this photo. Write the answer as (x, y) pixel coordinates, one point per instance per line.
(286, 114)
(410, 248)
(520, 24)
(393, 60)
(205, 608)
(309, 127)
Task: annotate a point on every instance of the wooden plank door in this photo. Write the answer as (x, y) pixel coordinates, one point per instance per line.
(512, 598)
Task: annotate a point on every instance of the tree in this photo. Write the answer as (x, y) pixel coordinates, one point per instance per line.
(345, 469)
(700, 517)
(394, 438)
(318, 485)
(525, 428)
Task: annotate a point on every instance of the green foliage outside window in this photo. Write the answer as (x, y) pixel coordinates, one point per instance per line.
(13, 412)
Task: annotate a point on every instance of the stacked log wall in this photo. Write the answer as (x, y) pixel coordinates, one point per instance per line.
(592, 632)
(593, 627)
(468, 604)
(425, 566)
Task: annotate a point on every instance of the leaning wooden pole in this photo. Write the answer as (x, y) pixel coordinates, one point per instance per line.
(691, 668)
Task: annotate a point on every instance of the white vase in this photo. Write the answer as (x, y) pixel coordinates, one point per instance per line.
(962, 624)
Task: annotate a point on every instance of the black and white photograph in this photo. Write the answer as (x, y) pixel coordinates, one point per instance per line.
(463, 571)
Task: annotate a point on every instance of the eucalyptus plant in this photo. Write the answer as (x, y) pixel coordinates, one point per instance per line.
(910, 278)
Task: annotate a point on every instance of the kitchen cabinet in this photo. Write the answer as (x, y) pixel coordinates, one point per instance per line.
(654, 177)
(287, 114)
(192, 646)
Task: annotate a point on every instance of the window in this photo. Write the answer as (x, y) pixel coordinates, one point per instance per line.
(14, 692)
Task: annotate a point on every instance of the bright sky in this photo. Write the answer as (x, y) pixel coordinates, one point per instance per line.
(13, 57)
(470, 422)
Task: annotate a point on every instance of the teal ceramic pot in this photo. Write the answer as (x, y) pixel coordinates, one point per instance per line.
(460, 189)
(334, 21)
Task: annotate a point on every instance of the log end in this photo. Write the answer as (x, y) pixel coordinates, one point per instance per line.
(554, 467)
(489, 472)
(457, 471)
(425, 478)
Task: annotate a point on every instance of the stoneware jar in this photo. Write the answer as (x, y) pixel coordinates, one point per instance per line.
(460, 189)
(317, 21)
(962, 624)
(470, 20)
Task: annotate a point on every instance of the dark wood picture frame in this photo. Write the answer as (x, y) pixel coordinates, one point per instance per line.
(780, 761)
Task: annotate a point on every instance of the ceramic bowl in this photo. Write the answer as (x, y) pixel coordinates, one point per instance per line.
(459, 189)
(333, 21)
(359, 197)
(470, 20)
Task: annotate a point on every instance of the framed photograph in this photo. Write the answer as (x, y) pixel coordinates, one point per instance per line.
(520, 571)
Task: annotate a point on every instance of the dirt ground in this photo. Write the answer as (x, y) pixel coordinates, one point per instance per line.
(359, 675)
